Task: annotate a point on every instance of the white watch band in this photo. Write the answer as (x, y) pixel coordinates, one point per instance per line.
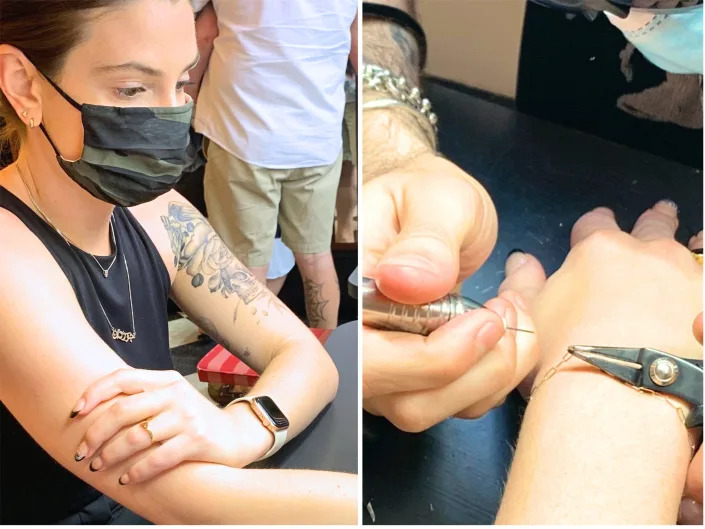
(279, 435)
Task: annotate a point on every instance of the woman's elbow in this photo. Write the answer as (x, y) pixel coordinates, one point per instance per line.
(331, 377)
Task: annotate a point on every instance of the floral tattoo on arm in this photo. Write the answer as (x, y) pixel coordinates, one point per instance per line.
(198, 250)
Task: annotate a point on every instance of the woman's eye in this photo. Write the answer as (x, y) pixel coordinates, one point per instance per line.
(129, 93)
(182, 84)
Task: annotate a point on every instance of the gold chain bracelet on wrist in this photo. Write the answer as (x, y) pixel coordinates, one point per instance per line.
(679, 411)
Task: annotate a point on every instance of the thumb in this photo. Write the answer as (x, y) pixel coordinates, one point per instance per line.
(421, 265)
(437, 226)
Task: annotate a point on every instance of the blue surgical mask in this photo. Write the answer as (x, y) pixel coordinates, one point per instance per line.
(673, 42)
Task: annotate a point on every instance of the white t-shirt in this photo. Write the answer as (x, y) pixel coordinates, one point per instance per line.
(273, 94)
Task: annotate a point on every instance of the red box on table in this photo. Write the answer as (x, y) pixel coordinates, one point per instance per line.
(219, 366)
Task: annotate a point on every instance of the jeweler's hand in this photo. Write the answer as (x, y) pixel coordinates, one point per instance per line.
(429, 225)
(186, 425)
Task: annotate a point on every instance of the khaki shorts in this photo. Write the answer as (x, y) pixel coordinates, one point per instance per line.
(350, 133)
(245, 201)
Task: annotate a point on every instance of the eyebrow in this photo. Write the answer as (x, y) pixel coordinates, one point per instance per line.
(143, 68)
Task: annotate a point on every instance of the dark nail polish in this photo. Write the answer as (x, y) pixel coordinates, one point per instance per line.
(73, 414)
(515, 250)
(78, 456)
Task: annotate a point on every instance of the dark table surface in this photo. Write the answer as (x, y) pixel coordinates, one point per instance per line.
(330, 442)
(542, 178)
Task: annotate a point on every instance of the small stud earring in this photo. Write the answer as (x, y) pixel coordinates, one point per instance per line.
(24, 113)
(31, 123)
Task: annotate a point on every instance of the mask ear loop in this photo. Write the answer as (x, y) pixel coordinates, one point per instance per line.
(72, 102)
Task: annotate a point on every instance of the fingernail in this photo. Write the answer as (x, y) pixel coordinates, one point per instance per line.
(96, 465)
(77, 409)
(124, 479)
(513, 251)
(690, 512)
(81, 452)
(411, 261)
(489, 334)
(515, 260)
(668, 202)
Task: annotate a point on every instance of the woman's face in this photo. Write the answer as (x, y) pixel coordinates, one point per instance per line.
(135, 55)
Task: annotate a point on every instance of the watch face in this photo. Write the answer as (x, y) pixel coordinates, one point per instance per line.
(273, 412)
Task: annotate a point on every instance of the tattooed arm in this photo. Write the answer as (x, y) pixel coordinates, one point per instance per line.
(392, 136)
(224, 299)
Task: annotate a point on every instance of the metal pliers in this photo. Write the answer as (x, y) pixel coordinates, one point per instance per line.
(653, 370)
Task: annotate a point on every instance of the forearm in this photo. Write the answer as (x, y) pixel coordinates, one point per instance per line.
(353, 45)
(392, 136)
(216, 494)
(206, 32)
(594, 451)
(303, 378)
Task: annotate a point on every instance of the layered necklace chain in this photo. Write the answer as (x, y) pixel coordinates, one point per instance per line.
(117, 334)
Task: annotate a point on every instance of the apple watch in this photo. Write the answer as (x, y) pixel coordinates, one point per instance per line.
(271, 417)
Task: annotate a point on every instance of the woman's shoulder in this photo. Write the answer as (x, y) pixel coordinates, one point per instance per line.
(155, 218)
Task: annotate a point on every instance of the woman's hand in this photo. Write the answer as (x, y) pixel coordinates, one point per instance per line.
(641, 289)
(186, 425)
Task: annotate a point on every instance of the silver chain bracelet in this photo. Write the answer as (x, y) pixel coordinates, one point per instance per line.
(381, 80)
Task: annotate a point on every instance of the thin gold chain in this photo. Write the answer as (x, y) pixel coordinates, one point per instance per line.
(550, 374)
(679, 411)
(118, 334)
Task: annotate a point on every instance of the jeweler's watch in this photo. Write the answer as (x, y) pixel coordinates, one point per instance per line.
(271, 417)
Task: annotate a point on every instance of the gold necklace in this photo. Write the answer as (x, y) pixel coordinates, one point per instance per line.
(118, 334)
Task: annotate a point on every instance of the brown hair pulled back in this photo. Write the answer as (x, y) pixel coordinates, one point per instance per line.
(45, 31)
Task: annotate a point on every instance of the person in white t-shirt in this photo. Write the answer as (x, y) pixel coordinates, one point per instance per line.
(271, 102)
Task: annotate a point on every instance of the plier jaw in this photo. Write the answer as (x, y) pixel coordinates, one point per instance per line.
(650, 369)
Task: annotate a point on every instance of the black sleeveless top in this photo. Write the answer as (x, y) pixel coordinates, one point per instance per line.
(33, 487)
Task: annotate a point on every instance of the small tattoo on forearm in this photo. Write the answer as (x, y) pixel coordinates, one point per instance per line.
(211, 330)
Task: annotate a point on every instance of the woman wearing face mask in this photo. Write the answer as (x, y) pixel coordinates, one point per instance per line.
(94, 240)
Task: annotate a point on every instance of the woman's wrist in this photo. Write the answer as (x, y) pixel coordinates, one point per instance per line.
(248, 439)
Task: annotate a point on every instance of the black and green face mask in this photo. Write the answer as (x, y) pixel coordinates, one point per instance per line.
(131, 155)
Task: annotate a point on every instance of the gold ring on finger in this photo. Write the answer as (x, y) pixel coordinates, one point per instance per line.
(145, 424)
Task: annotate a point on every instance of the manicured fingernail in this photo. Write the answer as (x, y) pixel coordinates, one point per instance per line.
(489, 335)
(78, 408)
(96, 465)
(668, 202)
(124, 479)
(411, 261)
(690, 512)
(513, 251)
(81, 452)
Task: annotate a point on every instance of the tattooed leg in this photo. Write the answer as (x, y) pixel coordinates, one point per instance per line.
(321, 289)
